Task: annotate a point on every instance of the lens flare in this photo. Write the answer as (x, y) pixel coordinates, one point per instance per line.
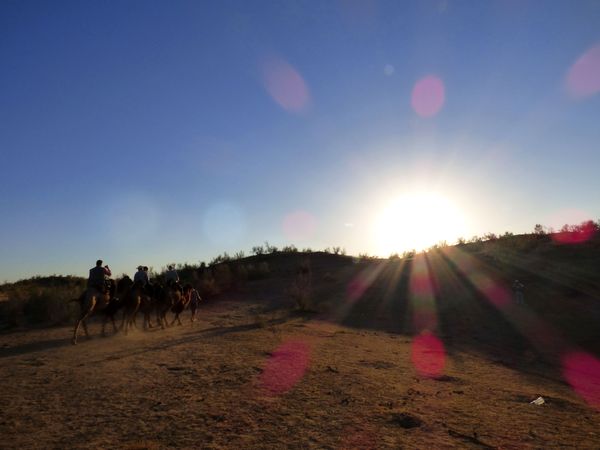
(285, 367)
(576, 234)
(299, 225)
(583, 78)
(428, 96)
(285, 85)
(428, 355)
(362, 281)
(582, 371)
(494, 291)
(422, 297)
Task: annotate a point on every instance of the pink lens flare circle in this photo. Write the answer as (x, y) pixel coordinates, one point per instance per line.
(577, 235)
(428, 355)
(428, 96)
(583, 78)
(582, 371)
(285, 85)
(299, 225)
(285, 367)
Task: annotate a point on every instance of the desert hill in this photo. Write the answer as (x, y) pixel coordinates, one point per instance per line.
(318, 350)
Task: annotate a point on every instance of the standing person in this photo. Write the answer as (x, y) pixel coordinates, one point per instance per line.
(98, 276)
(194, 299)
(518, 290)
(171, 276)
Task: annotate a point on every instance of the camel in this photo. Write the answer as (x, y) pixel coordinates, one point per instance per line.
(132, 295)
(149, 299)
(179, 306)
(165, 298)
(94, 300)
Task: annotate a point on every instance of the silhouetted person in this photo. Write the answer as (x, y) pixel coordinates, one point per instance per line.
(171, 276)
(518, 290)
(98, 277)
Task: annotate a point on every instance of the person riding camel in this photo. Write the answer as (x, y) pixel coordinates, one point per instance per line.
(140, 276)
(171, 276)
(98, 277)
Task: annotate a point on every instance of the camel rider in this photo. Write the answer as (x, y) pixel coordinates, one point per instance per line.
(98, 277)
(146, 276)
(140, 277)
(171, 276)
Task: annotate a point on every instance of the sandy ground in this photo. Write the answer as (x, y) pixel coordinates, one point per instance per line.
(239, 379)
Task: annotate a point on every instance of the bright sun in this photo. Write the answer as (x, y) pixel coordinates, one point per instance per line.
(416, 220)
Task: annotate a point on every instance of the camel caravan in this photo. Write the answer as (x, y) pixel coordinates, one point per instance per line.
(138, 296)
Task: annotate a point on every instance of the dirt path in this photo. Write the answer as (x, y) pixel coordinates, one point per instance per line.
(238, 380)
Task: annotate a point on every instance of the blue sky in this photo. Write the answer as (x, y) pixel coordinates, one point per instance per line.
(145, 132)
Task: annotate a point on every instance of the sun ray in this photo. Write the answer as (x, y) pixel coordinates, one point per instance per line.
(579, 368)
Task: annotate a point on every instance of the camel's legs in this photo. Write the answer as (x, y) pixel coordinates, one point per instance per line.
(85, 328)
(81, 321)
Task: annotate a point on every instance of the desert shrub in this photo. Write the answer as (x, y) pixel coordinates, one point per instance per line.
(258, 250)
(270, 248)
(539, 229)
(307, 250)
(289, 249)
(47, 307)
(220, 259)
(394, 257)
(29, 305)
(239, 255)
(11, 312)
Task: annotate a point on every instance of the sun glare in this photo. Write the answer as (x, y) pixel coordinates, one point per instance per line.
(417, 221)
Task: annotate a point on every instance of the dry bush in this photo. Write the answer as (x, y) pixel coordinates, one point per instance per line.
(31, 305)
